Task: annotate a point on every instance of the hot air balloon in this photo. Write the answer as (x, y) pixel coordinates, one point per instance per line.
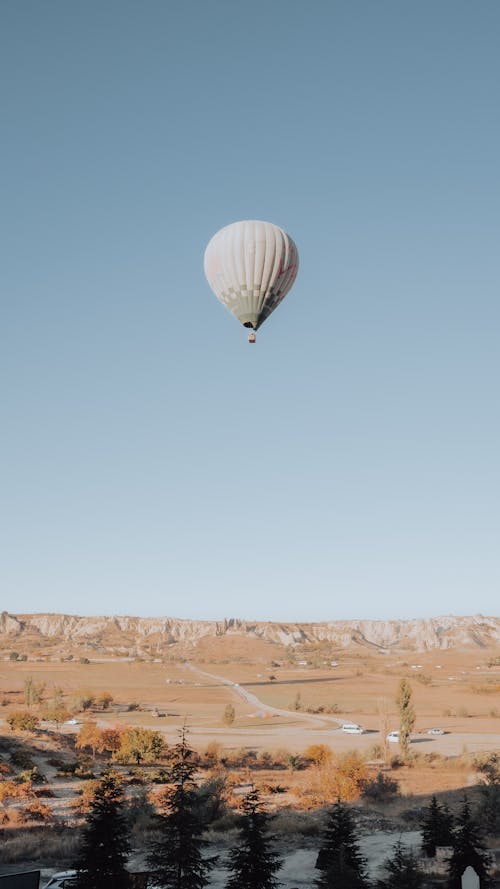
(251, 266)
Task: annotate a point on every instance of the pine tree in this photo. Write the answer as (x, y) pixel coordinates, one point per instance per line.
(252, 864)
(402, 870)
(175, 856)
(105, 847)
(436, 828)
(339, 859)
(406, 714)
(468, 849)
(489, 807)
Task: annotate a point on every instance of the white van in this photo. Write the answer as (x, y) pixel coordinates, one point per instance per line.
(393, 737)
(352, 728)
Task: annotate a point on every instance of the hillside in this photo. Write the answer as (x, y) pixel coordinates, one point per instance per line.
(132, 635)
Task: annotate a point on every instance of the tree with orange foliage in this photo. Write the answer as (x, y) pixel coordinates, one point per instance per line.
(104, 700)
(89, 736)
(337, 778)
(318, 754)
(141, 744)
(344, 778)
(110, 739)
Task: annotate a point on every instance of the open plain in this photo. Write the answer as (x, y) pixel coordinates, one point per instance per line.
(285, 702)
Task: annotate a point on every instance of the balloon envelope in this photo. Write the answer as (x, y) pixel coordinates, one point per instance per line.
(251, 266)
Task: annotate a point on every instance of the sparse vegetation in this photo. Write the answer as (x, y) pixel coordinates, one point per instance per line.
(294, 782)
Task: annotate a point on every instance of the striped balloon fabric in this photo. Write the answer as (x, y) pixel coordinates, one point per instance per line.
(251, 267)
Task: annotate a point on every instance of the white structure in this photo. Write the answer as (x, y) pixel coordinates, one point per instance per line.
(470, 879)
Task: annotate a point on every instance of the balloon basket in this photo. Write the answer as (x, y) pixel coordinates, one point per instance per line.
(251, 337)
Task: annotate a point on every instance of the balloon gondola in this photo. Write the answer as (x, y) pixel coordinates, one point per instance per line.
(251, 266)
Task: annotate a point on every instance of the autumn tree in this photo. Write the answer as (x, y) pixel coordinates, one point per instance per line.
(111, 740)
(406, 715)
(58, 715)
(104, 700)
(140, 745)
(342, 778)
(252, 863)
(105, 844)
(84, 700)
(175, 853)
(318, 754)
(384, 722)
(57, 697)
(89, 736)
(468, 849)
(33, 691)
(339, 860)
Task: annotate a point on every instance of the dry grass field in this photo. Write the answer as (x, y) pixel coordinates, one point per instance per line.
(283, 704)
(455, 690)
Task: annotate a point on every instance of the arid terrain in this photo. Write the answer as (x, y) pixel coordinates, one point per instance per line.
(289, 691)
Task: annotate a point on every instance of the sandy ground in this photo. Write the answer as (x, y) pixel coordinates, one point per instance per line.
(298, 868)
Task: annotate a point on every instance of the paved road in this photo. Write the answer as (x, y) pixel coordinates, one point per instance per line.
(322, 729)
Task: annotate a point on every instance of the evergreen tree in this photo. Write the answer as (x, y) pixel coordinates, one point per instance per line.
(339, 858)
(468, 849)
(406, 714)
(175, 854)
(489, 807)
(402, 871)
(105, 847)
(252, 864)
(436, 828)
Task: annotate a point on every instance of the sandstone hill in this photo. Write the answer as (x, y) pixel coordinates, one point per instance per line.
(127, 635)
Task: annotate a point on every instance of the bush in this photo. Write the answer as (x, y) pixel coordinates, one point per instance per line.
(159, 777)
(37, 811)
(381, 789)
(396, 762)
(33, 775)
(23, 721)
(22, 759)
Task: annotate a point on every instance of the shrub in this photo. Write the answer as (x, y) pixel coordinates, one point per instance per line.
(37, 811)
(423, 678)
(381, 789)
(396, 762)
(22, 759)
(13, 790)
(23, 721)
(33, 775)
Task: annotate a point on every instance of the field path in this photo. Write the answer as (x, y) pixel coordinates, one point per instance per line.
(306, 718)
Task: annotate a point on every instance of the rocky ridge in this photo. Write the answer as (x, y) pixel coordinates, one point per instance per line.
(116, 632)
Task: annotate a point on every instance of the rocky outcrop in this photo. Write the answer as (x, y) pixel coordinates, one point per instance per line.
(125, 631)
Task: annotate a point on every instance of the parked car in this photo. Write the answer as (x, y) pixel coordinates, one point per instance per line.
(352, 728)
(436, 731)
(393, 737)
(65, 879)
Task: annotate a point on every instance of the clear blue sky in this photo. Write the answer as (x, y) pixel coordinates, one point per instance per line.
(347, 465)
